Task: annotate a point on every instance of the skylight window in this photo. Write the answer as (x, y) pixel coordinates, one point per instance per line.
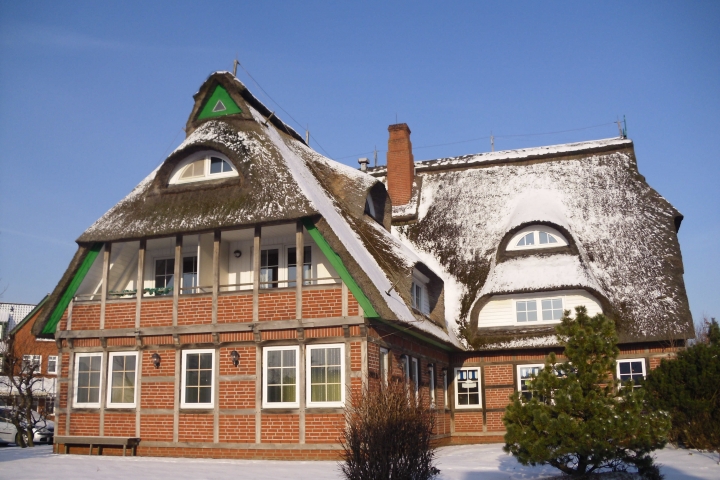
(203, 166)
(536, 236)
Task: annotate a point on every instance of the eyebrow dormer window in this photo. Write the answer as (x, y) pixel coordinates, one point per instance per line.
(536, 236)
(203, 166)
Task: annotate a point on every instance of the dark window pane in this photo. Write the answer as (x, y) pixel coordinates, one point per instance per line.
(193, 361)
(205, 377)
(206, 360)
(191, 395)
(216, 165)
(274, 393)
(205, 394)
(624, 368)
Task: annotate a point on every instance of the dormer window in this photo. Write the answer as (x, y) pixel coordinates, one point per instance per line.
(536, 236)
(419, 292)
(201, 166)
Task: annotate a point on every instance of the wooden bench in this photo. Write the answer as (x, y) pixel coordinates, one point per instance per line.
(100, 442)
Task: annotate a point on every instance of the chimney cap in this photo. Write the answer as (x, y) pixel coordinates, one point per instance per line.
(399, 126)
(364, 162)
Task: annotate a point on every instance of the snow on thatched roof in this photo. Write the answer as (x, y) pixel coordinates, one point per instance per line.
(280, 179)
(623, 233)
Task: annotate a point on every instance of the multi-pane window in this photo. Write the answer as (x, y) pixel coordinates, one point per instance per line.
(552, 308)
(32, 361)
(218, 165)
(326, 375)
(467, 387)
(536, 237)
(280, 377)
(384, 366)
(189, 274)
(121, 379)
(52, 364)
(198, 369)
(411, 373)
(631, 371)
(164, 273)
(525, 374)
(526, 310)
(88, 367)
(269, 267)
(292, 265)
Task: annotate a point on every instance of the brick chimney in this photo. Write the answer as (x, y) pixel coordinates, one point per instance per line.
(400, 164)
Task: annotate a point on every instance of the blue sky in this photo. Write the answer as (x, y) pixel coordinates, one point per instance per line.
(93, 96)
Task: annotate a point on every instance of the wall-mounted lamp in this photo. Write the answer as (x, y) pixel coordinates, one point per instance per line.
(445, 371)
(403, 359)
(235, 357)
(156, 359)
(237, 253)
(431, 368)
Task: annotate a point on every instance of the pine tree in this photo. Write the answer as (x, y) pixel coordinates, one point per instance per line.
(689, 388)
(577, 420)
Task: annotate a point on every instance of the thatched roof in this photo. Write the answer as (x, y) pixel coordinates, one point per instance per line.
(280, 180)
(624, 247)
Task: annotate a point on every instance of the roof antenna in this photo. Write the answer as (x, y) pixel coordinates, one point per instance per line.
(307, 135)
(620, 132)
(395, 118)
(375, 152)
(235, 65)
(492, 142)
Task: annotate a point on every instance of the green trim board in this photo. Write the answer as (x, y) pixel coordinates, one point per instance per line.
(339, 267)
(220, 103)
(70, 291)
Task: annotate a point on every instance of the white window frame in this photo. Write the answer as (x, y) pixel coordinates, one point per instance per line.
(538, 309)
(55, 370)
(308, 379)
(202, 155)
(384, 366)
(183, 378)
(629, 360)
(296, 403)
(34, 359)
(445, 391)
(76, 372)
(520, 379)
(420, 281)
(415, 365)
(110, 403)
(479, 378)
(431, 373)
(535, 230)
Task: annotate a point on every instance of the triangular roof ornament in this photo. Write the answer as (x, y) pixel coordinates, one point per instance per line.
(218, 104)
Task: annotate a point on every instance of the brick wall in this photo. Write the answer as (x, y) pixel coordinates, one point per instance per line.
(154, 312)
(84, 424)
(237, 395)
(353, 305)
(494, 421)
(156, 427)
(194, 310)
(118, 315)
(276, 305)
(321, 303)
(497, 397)
(235, 308)
(498, 374)
(86, 316)
(468, 421)
(280, 428)
(157, 395)
(195, 427)
(119, 424)
(325, 428)
(237, 428)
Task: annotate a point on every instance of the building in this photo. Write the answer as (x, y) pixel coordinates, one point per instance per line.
(11, 314)
(226, 306)
(42, 352)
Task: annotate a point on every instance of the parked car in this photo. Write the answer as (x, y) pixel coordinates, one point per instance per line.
(43, 430)
(8, 432)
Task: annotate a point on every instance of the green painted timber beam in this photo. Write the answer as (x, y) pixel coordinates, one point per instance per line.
(70, 291)
(339, 267)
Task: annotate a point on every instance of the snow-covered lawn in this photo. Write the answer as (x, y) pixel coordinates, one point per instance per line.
(467, 462)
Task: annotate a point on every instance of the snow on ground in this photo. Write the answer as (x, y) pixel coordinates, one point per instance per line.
(466, 462)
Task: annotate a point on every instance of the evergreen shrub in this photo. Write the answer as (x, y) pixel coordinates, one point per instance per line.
(577, 419)
(688, 387)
